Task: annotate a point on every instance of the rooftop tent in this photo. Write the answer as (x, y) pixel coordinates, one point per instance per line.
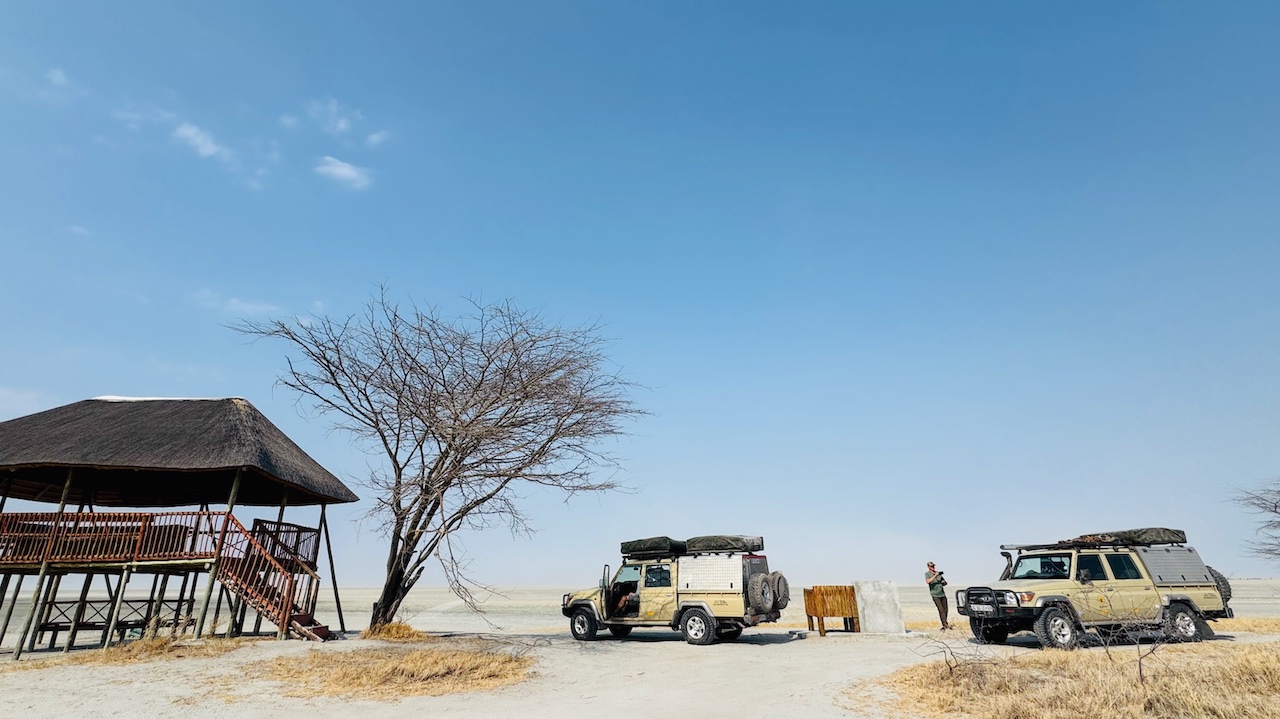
(128, 452)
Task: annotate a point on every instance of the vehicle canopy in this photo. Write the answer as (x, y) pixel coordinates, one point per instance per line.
(652, 547)
(1143, 537)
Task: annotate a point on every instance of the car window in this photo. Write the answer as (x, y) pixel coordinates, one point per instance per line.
(628, 573)
(1043, 566)
(1123, 567)
(1092, 565)
(657, 575)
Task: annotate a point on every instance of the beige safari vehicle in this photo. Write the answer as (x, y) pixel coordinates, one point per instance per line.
(1114, 584)
(706, 588)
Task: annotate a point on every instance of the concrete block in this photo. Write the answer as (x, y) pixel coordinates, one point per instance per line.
(879, 611)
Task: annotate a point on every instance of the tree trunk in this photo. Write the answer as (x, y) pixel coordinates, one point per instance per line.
(393, 593)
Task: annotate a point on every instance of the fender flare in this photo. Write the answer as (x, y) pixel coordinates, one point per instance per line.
(1168, 599)
(686, 606)
(595, 614)
(1061, 602)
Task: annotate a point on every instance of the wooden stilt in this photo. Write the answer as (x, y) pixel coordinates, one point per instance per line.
(115, 607)
(182, 599)
(213, 566)
(4, 591)
(8, 613)
(46, 609)
(151, 604)
(333, 575)
(44, 570)
(158, 606)
(111, 596)
(79, 615)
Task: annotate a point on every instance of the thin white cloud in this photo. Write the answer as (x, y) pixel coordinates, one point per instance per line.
(344, 173)
(377, 138)
(288, 122)
(78, 230)
(58, 88)
(234, 305)
(202, 142)
(333, 117)
(135, 116)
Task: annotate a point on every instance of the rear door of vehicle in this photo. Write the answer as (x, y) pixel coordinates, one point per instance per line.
(657, 592)
(1136, 590)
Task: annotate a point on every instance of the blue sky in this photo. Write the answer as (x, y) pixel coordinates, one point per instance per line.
(901, 283)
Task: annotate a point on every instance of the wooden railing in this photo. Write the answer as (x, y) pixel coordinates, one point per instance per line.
(250, 571)
(83, 537)
(288, 541)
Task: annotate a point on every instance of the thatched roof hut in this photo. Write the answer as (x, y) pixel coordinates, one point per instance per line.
(128, 452)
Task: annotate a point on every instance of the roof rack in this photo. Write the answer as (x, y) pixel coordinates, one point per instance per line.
(1124, 538)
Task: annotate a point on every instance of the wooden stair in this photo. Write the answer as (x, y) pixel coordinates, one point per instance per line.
(306, 627)
(261, 580)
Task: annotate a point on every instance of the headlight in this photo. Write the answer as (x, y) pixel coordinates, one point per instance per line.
(1009, 599)
(960, 598)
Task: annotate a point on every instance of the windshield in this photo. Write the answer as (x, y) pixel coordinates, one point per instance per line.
(1043, 566)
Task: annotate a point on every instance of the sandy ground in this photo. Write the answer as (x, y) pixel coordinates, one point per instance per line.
(780, 668)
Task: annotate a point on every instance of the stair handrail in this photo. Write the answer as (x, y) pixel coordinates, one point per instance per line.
(298, 559)
(284, 611)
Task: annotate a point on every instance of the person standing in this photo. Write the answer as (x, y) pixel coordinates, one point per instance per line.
(938, 590)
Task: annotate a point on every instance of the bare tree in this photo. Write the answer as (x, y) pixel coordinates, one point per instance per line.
(464, 410)
(1265, 501)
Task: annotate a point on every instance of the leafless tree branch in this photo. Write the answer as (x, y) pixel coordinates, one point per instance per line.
(464, 410)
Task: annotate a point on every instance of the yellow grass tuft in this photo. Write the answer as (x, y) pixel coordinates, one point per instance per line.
(1259, 625)
(134, 652)
(391, 673)
(1203, 681)
(395, 632)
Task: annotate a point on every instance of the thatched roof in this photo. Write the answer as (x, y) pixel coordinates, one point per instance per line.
(159, 453)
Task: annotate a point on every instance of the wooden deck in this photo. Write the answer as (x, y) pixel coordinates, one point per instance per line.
(270, 570)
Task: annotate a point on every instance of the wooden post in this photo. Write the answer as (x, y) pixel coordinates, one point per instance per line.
(4, 496)
(8, 613)
(46, 609)
(217, 554)
(79, 615)
(115, 608)
(157, 606)
(4, 591)
(333, 575)
(44, 569)
(182, 599)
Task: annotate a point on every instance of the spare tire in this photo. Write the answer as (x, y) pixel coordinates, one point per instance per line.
(1224, 587)
(781, 591)
(760, 593)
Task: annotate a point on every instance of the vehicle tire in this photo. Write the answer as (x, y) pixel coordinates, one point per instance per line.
(582, 625)
(698, 627)
(781, 591)
(987, 633)
(1224, 587)
(729, 635)
(618, 631)
(760, 593)
(1181, 624)
(1056, 629)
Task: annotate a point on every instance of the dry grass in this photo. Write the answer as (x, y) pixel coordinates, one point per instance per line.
(1203, 681)
(395, 632)
(135, 652)
(1259, 625)
(391, 673)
